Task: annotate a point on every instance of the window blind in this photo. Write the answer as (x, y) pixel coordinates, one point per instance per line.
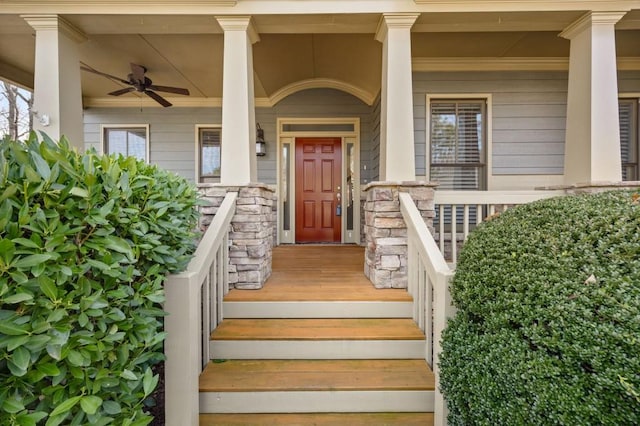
(210, 152)
(628, 112)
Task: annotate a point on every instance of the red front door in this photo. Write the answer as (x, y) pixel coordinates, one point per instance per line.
(318, 184)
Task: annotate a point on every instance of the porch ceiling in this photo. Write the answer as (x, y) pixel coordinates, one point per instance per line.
(186, 50)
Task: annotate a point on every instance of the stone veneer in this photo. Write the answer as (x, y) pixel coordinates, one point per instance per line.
(386, 232)
(251, 238)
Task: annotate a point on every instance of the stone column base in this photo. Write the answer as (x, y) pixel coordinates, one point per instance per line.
(386, 232)
(251, 237)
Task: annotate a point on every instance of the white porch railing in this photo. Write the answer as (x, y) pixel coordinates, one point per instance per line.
(458, 212)
(429, 277)
(194, 306)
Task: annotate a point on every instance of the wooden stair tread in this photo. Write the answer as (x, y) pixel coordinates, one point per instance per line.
(320, 419)
(318, 329)
(316, 375)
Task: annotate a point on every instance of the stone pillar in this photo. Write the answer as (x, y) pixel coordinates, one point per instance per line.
(251, 237)
(238, 155)
(397, 159)
(386, 232)
(57, 90)
(592, 145)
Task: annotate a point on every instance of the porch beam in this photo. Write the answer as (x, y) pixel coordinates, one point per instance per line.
(238, 153)
(57, 91)
(592, 143)
(397, 161)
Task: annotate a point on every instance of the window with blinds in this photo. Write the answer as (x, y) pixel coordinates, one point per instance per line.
(209, 147)
(458, 144)
(629, 145)
(457, 150)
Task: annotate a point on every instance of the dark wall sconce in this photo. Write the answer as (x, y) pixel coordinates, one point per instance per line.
(261, 145)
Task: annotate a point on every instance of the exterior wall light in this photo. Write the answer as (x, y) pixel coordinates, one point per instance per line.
(261, 145)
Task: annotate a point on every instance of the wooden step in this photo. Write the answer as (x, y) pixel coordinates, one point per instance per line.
(276, 386)
(317, 339)
(319, 419)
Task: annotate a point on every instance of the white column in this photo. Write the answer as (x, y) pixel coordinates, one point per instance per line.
(592, 145)
(397, 159)
(57, 88)
(238, 152)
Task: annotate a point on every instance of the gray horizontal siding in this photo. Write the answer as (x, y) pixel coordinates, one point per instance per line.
(528, 116)
(172, 130)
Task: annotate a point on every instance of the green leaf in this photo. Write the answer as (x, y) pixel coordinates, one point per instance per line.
(26, 243)
(12, 329)
(55, 351)
(33, 260)
(50, 369)
(128, 374)
(48, 287)
(30, 419)
(15, 342)
(119, 245)
(90, 404)
(75, 358)
(149, 382)
(79, 192)
(55, 420)
(12, 405)
(21, 357)
(41, 166)
(8, 192)
(17, 298)
(65, 406)
(111, 407)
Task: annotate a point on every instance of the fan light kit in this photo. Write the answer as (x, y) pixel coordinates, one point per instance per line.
(140, 83)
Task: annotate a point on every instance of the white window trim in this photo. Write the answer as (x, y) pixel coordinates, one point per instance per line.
(289, 237)
(197, 145)
(489, 122)
(631, 95)
(103, 127)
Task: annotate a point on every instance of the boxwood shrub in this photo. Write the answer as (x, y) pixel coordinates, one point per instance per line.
(548, 324)
(85, 243)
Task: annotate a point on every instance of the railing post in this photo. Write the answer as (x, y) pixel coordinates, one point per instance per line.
(182, 366)
(444, 309)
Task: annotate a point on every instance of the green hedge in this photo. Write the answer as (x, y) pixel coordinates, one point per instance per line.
(85, 243)
(548, 327)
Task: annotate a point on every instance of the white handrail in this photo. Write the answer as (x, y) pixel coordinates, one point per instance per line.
(194, 307)
(429, 277)
(475, 206)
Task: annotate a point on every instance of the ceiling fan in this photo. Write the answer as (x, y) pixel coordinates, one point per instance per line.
(140, 83)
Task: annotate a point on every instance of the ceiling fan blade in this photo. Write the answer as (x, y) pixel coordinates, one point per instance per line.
(137, 71)
(169, 89)
(159, 99)
(113, 77)
(122, 91)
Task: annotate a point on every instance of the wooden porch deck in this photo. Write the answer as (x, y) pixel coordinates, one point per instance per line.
(318, 272)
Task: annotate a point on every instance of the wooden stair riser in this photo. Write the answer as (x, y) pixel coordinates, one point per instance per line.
(318, 309)
(324, 349)
(316, 402)
(318, 419)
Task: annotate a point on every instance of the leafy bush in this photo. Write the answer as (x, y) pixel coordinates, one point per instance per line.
(85, 244)
(548, 323)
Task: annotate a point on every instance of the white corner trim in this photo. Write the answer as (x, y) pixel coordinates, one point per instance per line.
(55, 23)
(322, 83)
